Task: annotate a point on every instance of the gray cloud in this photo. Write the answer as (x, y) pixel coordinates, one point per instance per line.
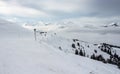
(106, 7)
(97, 7)
(64, 9)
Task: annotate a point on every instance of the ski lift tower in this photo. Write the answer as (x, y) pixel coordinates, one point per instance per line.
(35, 34)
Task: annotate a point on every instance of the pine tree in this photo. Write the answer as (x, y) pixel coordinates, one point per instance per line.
(95, 51)
(93, 56)
(84, 53)
(76, 52)
(78, 44)
(73, 45)
(81, 53)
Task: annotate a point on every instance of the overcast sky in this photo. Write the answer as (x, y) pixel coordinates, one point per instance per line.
(84, 11)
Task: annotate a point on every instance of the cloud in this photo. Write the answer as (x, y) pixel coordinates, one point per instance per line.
(88, 7)
(55, 5)
(89, 10)
(18, 10)
(106, 8)
(93, 20)
(60, 6)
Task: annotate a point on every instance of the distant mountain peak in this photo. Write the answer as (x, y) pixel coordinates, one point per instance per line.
(115, 24)
(112, 25)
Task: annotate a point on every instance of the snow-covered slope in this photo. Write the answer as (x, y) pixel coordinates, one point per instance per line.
(101, 52)
(76, 40)
(8, 29)
(29, 57)
(23, 55)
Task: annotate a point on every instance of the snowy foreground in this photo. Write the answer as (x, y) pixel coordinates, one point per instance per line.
(20, 54)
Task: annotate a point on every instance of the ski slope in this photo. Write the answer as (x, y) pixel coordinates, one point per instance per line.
(20, 54)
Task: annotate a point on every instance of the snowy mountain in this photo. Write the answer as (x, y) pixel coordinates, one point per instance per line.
(112, 25)
(52, 53)
(104, 52)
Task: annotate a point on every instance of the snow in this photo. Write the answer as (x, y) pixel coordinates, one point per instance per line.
(29, 57)
(20, 54)
(9, 29)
